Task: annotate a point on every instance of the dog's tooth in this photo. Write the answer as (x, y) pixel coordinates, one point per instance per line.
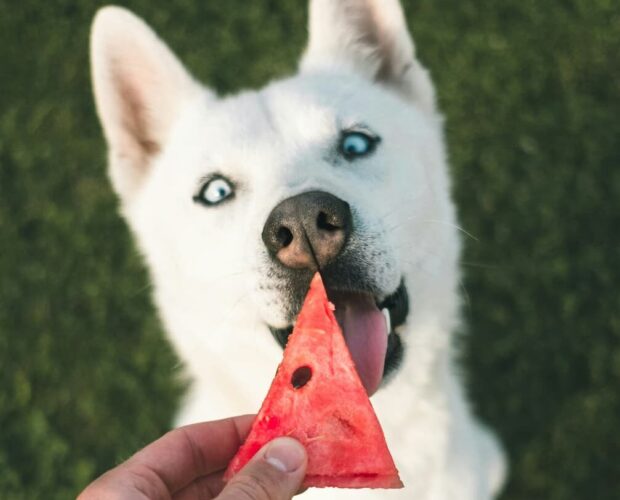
(388, 320)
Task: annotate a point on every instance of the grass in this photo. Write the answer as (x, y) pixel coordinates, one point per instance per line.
(531, 93)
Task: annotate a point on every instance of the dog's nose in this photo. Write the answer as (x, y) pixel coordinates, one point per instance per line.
(308, 230)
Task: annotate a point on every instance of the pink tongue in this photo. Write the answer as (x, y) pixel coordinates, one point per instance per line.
(365, 332)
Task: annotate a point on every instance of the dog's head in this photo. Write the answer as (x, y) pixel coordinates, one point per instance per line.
(339, 168)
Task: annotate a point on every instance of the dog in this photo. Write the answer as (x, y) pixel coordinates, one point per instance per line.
(236, 201)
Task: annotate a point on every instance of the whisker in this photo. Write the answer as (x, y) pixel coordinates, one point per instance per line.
(238, 302)
(148, 286)
(226, 276)
(465, 292)
(461, 283)
(437, 221)
(480, 265)
(388, 213)
(456, 226)
(399, 205)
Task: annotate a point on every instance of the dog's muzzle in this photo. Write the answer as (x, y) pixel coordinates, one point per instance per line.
(309, 232)
(395, 309)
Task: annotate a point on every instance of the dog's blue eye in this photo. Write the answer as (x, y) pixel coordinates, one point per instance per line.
(215, 191)
(356, 144)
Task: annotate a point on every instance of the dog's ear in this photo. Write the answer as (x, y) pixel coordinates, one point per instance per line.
(140, 87)
(371, 38)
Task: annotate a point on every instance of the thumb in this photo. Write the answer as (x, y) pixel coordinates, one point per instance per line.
(274, 473)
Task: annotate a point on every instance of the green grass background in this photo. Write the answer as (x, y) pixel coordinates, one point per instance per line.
(531, 94)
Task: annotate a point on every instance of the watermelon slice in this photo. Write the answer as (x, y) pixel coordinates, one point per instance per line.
(317, 397)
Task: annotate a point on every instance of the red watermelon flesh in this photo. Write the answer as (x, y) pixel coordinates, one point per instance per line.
(317, 397)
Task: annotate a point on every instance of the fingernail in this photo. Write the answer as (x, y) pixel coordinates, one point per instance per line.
(285, 454)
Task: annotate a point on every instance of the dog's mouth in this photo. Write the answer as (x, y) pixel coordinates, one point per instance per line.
(369, 328)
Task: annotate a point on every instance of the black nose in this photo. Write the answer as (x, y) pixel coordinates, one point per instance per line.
(307, 230)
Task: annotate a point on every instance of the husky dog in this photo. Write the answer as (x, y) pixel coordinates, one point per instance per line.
(236, 201)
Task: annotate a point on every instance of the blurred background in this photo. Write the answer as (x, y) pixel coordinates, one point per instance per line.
(531, 95)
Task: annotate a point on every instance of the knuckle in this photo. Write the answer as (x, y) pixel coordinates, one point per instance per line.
(138, 482)
(258, 484)
(147, 483)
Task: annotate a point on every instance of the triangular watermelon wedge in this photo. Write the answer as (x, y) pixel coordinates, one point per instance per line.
(317, 397)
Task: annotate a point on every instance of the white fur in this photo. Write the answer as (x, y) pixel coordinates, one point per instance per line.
(214, 284)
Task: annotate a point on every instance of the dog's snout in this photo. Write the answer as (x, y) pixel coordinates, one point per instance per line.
(308, 230)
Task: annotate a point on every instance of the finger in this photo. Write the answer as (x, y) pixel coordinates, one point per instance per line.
(176, 459)
(204, 488)
(189, 452)
(274, 473)
(207, 488)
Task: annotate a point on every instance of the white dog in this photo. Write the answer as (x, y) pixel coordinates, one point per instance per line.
(235, 201)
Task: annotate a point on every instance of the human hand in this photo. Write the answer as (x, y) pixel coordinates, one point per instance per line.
(188, 464)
